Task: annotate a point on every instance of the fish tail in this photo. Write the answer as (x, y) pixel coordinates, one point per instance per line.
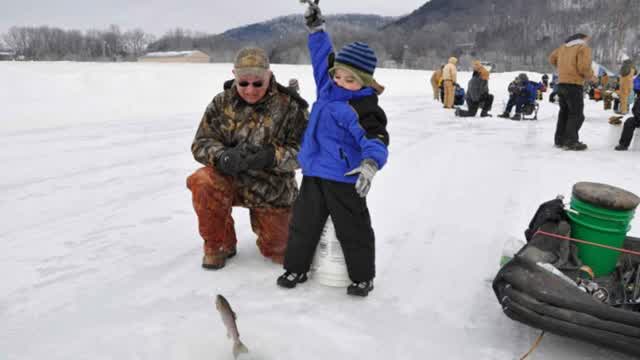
(239, 348)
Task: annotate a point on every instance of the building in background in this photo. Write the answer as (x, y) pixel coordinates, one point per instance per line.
(191, 56)
(6, 55)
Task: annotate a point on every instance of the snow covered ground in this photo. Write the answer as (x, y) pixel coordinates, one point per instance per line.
(100, 255)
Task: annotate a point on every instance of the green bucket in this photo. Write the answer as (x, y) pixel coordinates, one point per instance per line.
(597, 224)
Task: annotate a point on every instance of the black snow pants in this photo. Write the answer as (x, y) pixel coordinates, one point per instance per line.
(486, 102)
(571, 114)
(630, 126)
(319, 198)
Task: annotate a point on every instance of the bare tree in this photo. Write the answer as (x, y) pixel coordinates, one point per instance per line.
(17, 39)
(46, 43)
(136, 42)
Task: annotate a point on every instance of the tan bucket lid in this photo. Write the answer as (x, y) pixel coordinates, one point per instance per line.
(606, 196)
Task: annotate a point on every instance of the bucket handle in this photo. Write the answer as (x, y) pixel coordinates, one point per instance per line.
(622, 250)
(573, 211)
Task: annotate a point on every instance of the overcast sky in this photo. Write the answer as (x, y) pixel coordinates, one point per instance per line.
(158, 16)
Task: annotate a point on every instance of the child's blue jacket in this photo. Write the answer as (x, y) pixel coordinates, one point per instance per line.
(344, 126)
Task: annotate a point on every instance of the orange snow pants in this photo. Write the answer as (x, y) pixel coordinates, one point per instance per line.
(213, 196)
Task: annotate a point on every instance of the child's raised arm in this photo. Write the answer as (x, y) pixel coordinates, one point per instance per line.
(320, 46)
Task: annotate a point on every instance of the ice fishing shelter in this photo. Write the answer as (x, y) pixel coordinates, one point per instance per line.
(600, 70)
(7, 55)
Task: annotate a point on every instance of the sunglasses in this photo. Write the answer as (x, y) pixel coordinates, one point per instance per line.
(255, 84)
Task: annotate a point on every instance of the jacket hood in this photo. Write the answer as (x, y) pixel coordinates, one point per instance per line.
(337, 93)
(575, 43)
(453, 60)
(578, 36)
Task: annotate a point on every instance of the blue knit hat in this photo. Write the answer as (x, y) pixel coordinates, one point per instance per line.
(358, 55)
(360, 60)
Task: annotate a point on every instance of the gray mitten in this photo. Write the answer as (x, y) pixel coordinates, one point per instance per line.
(313, 19)
(367, 170)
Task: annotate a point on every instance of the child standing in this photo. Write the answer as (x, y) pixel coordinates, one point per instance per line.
(345, 144)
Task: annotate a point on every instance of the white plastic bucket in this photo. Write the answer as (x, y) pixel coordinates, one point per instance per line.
(329, 267)
(614, 135)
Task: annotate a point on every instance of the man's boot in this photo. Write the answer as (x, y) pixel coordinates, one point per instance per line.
(576, 146)
(215, 260)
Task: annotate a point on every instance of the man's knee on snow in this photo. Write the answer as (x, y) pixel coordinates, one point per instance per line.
(272, 227)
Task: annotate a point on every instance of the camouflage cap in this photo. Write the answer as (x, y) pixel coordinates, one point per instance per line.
(251, 61)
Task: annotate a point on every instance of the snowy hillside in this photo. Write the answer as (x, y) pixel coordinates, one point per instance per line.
(100, 254)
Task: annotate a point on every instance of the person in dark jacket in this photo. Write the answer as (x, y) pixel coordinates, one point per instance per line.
(477, 93)
(554, 88)
(545, 81)
(344, 146)
(520, 94)
(458, 95)
(630, 126)
(294, 86)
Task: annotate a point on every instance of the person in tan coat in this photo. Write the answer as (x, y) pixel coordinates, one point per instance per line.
(449, 78)
(573, 61)
(436, 77)
(627, 73)
(604, 81)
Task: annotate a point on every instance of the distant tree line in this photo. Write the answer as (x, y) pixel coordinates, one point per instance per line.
(513, 34)
(285, 39)
(516, 34)
(50, 43)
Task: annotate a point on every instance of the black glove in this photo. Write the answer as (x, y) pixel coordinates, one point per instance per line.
(261, 157)
(232, 162)
(313, 19)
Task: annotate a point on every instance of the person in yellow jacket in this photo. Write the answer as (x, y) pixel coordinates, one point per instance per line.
(627, 73)
(449, 78)
(573, 61)
(436, 78)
